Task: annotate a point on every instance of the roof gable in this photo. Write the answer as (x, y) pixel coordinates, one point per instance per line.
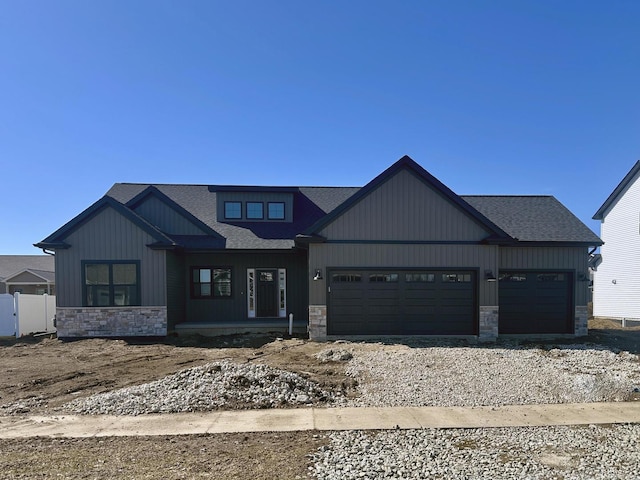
(10, 264)
(30, 276)
(57, 239)
(439, 194)
(618, 191)
(172, 217)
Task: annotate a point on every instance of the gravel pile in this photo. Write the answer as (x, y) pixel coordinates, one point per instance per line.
(208, 387)
(569, 453)
(468, 376)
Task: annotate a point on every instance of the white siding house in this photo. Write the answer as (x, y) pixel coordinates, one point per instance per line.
(616, 292)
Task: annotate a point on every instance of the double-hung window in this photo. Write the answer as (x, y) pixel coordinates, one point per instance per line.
(111, 283)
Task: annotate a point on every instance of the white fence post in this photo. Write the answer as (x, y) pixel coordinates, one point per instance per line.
(16, 312)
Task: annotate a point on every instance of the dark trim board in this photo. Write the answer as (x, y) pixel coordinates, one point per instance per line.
(402, 307)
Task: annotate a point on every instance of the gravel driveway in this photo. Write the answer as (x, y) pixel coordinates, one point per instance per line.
(445, 375)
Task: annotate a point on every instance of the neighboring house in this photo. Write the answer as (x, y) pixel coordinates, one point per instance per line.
(403, 255)
(31, 274)
(616, 289)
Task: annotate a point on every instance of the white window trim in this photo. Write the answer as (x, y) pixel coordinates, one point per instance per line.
(251, 292)
(282, 292)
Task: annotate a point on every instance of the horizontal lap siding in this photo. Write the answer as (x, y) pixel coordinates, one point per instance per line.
(550, 258)
(109, 236)
(620, 232)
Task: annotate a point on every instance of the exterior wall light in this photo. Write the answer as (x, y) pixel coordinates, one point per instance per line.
(318, 274)
(489, 276)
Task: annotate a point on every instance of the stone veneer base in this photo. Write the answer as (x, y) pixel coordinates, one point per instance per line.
(75, 322)
(318, 323)
(488, 324)
(582, 319)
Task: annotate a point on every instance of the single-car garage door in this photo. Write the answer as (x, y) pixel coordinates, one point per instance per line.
(402, 302)
(535, 302)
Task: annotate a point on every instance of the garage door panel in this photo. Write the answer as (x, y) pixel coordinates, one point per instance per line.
(396, 302)
(536, 302)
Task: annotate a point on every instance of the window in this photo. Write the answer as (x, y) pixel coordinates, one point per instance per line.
(209, 282)
(255, 210)
(383, 277)
(233, 210)
(512, 277)
(275, 210)
(456, 278)
(111, 284)
(419, 277)
(551, 277)
(346, 278)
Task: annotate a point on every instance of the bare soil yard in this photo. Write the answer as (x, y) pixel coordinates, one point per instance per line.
(39, 375)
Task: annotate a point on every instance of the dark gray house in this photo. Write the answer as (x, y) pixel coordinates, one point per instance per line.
(403, 255)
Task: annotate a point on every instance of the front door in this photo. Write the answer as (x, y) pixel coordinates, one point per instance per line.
(267, 294)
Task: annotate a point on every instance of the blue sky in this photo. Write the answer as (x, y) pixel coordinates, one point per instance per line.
(491, 97)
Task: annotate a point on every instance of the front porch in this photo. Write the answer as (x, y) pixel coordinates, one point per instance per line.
(210, 329)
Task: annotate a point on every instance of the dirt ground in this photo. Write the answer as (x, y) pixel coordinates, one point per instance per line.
(37, 375)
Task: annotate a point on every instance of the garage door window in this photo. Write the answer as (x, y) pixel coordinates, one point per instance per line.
(513, 277)
(551, 277)
(456, 278)
(346, 278)
(384, 278)
(419, 277)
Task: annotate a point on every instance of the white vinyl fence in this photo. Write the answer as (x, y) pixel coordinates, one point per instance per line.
(22, 314)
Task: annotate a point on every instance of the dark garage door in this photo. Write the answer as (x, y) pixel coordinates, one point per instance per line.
(402, 302)
(536, 302)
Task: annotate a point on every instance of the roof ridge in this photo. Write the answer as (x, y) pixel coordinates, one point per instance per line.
(509, 195)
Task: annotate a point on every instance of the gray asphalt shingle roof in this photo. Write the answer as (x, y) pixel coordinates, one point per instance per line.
(310, 204)
(525, 218)
(533, 218)
(12, 264)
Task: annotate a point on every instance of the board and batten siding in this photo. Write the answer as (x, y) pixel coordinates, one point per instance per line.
(620, 231)
(404, 208)
(109, 236)
(176, 288)
(574, 259)
(166, 218)
(480, 257)
(234, 309)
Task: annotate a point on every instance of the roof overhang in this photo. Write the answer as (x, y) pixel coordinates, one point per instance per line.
(599, 215)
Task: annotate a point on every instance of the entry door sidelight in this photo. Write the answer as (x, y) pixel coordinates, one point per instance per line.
(267, 293)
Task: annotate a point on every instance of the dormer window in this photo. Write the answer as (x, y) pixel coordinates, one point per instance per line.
(233, 210)
(275, 210)
(254, 204)
(255, 210)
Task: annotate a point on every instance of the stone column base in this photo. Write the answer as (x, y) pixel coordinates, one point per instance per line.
(318, 323)
(582, 318)
(488, 328)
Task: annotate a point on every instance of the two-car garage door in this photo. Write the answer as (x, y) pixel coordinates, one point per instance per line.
(402, 302)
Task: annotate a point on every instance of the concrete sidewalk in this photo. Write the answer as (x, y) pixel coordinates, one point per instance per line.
(299, 419)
